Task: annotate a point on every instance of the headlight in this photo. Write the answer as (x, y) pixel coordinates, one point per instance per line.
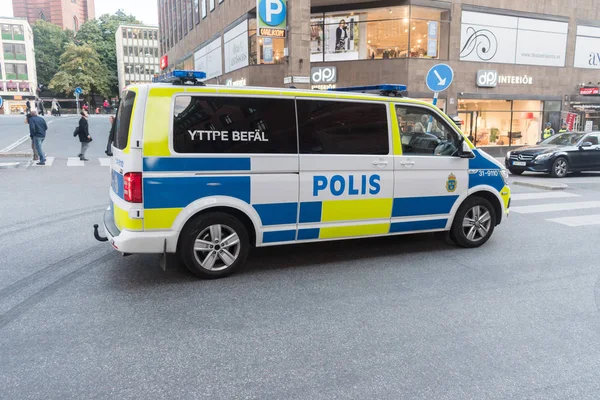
(508, 154)
(543, 157)
(504, 173)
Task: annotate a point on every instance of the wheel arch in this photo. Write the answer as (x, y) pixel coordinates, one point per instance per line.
(491, 195)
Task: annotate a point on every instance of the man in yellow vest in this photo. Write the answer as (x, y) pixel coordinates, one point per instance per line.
(563, 128)
(548, 131)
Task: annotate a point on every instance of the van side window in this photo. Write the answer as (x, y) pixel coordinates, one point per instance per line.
(342, 127)
(218, 124)
(425, 133)
(123, 120)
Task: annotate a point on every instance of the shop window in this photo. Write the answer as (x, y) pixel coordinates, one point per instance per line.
(425, 133)
(7, 32)
(382, 33)
(271, 50)
(337, 127)
(18, 32)
(234, 125)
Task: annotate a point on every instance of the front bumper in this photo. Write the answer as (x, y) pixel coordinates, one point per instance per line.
(132, 242)
(531, 165)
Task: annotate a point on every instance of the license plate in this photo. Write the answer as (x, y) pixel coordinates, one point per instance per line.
(519, 163)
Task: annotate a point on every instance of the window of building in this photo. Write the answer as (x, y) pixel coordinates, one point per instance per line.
(234, 125)
(264, 50)
(9, 51)
(42, 16)
(212, 5)
(74, 1)
(203, 8)
(339, 127)
(381, 33)
(11, 71)
(18, 32)
(425, 133)
(20, 52)
(75, 24)
(7, 32)
(22, 71)
(504, 122)
(196, 7)
(189, 5)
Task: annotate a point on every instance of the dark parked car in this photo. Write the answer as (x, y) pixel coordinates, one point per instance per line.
(558, 155)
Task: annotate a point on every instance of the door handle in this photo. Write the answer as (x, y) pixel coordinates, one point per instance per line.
(380, 163)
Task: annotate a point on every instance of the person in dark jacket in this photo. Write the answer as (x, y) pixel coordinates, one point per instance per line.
(37, 132)
(111, 136)
(28, 105)
(84, 135)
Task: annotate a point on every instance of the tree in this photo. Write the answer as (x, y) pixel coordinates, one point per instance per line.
(100, 35)
(81, 66)
(49, 43)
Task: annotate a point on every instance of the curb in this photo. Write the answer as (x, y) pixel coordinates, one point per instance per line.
(17, 154)
(10, 165)
(554, 186)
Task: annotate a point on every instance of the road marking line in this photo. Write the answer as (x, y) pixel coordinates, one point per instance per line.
(15, 144)
(104, 161)
(49, 161)
(540, 208)
(536, 196)
(582, 220)
(74, 162)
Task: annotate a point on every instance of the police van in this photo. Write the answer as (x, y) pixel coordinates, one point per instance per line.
(207, 172)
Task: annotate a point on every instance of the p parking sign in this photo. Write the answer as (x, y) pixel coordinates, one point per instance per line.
(272, 17)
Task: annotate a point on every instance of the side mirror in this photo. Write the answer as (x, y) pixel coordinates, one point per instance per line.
(465, 151)
(585, 144)
(538, 142)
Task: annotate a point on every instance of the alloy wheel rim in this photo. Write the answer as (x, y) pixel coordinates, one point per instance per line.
(561, 167)
(217, 247)
(477, 223)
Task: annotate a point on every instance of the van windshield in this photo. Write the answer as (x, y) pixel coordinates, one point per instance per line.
(123, 120)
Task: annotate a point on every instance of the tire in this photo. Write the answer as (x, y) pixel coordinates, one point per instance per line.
(470, 235)
(515, 171)
(216, 261)
(560, 167)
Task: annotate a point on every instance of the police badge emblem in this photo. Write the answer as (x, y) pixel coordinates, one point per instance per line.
(451, 183)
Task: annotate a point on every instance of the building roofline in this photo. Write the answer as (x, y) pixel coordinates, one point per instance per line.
(137, 26)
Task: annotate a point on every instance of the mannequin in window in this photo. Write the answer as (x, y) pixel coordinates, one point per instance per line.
(341, 34)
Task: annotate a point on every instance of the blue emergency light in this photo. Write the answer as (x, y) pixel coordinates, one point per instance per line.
(385, 89)
(180, 76)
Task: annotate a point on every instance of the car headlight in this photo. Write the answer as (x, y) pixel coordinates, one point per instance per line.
(504, 173)
(508, 154)
(543, 157)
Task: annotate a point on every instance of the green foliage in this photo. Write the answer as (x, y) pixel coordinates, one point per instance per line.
(49, 42)
(81, 66)
(100, 35)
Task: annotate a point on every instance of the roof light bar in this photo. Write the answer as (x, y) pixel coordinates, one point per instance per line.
(180, 76)
(385, 89)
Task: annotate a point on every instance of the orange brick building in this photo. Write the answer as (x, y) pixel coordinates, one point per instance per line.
(68, 14)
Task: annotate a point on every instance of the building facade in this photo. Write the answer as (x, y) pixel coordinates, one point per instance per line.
(137, 54)
(68, 14)
(515, 68)
(18, 80)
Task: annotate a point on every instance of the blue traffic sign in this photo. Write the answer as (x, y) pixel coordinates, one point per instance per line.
(439, 77)
(1, 102)
(78, 90)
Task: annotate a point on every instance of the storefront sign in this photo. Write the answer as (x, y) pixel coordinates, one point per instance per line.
(287, 80)
(323, 75)
(209, 60)
(589, 91)
(587, 47)
(238, 82)
(272, 17)
(323, 87)
(236, 47)
(489, 78)
(164, 62)
(512, 40)
(589, 126)
(268, 50)
(570, 120)
(300, 79)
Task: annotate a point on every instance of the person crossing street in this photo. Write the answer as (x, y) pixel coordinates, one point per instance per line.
(37, 132)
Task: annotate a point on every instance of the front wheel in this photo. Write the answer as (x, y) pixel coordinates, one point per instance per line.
(214, 245)
(560, 167)
(474, 222)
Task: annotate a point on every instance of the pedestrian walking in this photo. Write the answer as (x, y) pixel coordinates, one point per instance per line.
(111, 136)
(106, 106)
(37, 132)
(40, 107)
(55, 108)
(36, 156)
(28, 106)
(83, 132)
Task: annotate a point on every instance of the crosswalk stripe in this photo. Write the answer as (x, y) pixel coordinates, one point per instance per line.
(540, 208)
(74, 162)
(582, 220)
(104, 161)
(538, 195)
(49, 161)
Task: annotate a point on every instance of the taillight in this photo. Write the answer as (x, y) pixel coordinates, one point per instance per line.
(132, 187)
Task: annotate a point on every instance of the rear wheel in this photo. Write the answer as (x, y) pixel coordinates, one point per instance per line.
(516, 171)
(560, 167)
(474, 222)
(214, 245)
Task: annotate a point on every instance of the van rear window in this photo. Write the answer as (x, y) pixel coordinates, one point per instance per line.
(123, 120)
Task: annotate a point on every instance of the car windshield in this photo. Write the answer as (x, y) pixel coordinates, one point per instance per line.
(564, 139)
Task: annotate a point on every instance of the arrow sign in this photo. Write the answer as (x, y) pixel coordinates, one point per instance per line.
(439, 77)
(1, 101)
(78, 90)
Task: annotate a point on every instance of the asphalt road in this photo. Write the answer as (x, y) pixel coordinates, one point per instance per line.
(392, 318)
